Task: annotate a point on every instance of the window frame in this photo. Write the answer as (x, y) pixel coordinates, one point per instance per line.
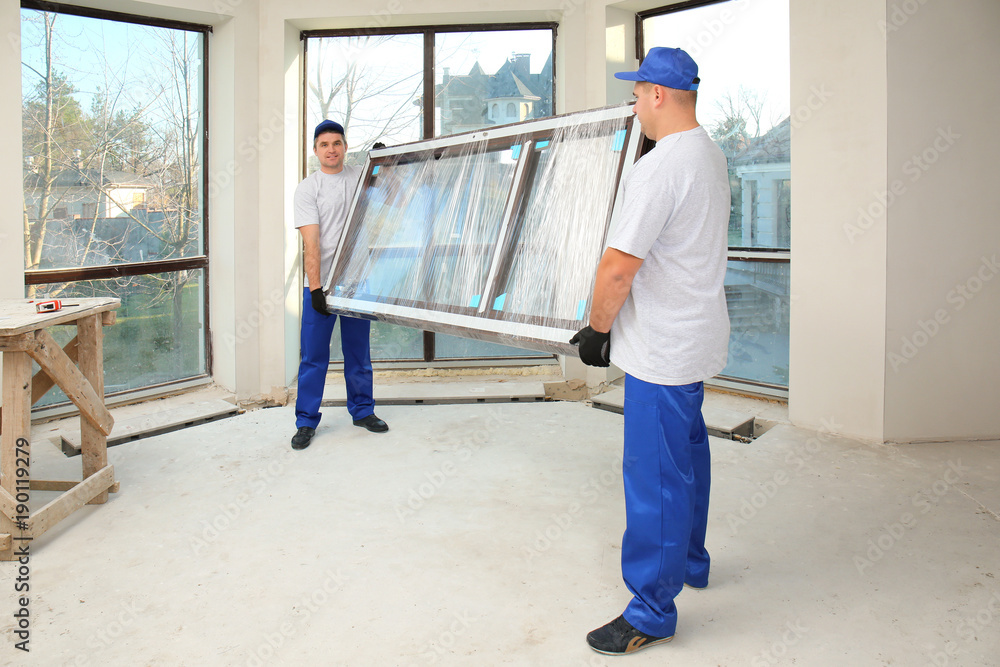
(109, 271)
(545, 334)
(734, 253)
(427, 94)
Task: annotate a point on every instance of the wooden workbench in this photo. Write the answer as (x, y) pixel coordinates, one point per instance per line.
(78, 369)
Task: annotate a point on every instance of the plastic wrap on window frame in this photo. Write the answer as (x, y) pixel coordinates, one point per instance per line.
(493, 235)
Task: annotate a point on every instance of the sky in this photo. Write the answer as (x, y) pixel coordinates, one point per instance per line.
(737, 43)
(99, 54)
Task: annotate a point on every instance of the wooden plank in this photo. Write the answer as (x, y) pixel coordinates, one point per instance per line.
(61, 485)
(5, 542)
(52, 485)
(71, 501)
(18, 342)
(156, 422)
(78, 389)
(8, 506)
(108, 317)
(93, 443)
(15, 447)
(18, 315)
(41, 383)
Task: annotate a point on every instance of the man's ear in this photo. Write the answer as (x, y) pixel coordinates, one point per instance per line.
(659, 95)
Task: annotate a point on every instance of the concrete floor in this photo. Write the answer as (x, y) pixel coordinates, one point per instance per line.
(489, 534)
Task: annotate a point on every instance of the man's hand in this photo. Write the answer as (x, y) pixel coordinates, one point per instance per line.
(595, 346)
(319, 302)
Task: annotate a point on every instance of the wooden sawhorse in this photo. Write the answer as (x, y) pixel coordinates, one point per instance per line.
(78, 369)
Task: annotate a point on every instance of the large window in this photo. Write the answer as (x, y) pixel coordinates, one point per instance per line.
(401, 86)
(113, 180)
(742, 51)
(491, 234)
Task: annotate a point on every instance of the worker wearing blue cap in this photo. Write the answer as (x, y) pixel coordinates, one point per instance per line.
(659, 313)
(322, 201)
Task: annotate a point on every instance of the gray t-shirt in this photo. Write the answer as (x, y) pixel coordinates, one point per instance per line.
(674, 326)
(324, 200)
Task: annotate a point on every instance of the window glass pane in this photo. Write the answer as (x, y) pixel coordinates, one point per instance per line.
(373, 86)
(370, 84)
(453, 347)
(388, 342)
(429, 221)
(112, 138)
(571, 189)
(491, 78)
(742, 51)
(494, 236)
(485, 79)
(757, 296)
(159, 332)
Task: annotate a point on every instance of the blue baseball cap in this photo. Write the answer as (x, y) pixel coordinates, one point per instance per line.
(329, 126)
(672, 68)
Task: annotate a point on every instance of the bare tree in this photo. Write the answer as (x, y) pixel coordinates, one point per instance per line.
(375, 102)
(150, 136)
(741, 115)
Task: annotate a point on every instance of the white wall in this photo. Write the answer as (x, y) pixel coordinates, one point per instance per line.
(943, 344)
(838, 281)
(11, 212)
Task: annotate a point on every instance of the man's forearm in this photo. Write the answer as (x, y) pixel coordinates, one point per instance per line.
(311, 255)
(611, 287)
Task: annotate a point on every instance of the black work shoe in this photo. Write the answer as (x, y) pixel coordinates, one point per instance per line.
(372, 423)
(303, 437)
(619, 637)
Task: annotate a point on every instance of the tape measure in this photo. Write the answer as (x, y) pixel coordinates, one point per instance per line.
(51, 305)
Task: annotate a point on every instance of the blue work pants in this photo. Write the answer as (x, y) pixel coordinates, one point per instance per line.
(317, 329)
(667, 473)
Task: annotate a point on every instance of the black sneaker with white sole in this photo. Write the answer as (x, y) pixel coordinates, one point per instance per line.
(619, 637)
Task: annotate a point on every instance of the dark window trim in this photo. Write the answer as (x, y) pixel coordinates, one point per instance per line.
(105, 271)
(417, 29)
(145, 268)
(640, 36)
(60, 8)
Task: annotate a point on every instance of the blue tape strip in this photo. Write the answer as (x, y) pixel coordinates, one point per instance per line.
(375, 170)
(515, 151)
(619, 142)
(498, 303)
(541, 144)
(580, 308)
(474, 302)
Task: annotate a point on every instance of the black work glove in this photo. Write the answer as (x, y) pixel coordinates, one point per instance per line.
(377, 145)
(595, 347)
(319, 302)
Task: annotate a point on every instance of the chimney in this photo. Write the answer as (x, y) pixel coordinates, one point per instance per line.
(521, 64)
